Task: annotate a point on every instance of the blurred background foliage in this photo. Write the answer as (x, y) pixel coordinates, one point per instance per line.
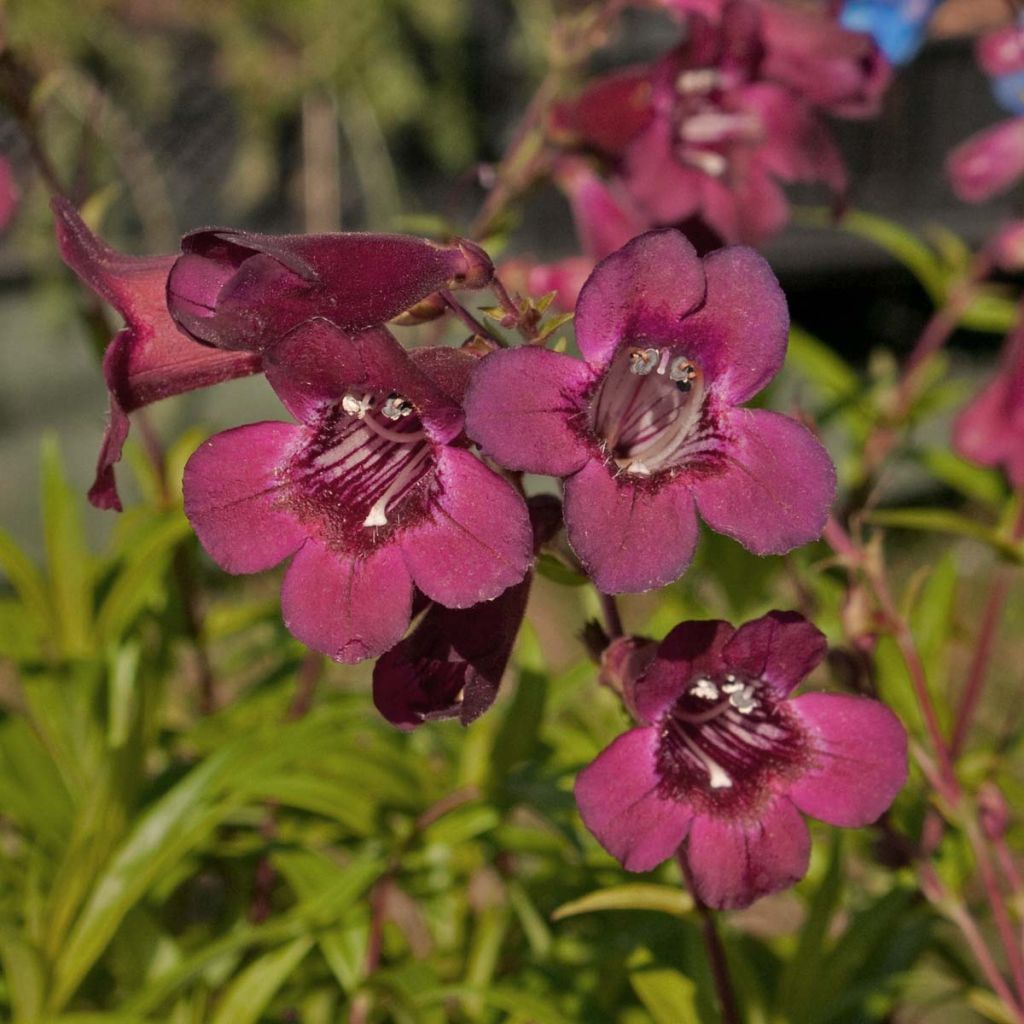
(202, 822)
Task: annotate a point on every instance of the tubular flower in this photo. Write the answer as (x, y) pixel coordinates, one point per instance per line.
(989, 162)
(149, 358)
(237, 290)
(369, 492)
(705, 133)
(990, 431)
(648, 430)
(451, 664)
(724, 760)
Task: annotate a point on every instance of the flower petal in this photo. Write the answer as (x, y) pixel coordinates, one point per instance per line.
(739, 335)
(348, 608)
(691, 649)
(781, 648)
(628, 536)
(318, 363)
(989, 162)
(520, 407)
(477, 541)
(861, 761)
(232, 492)
(608, 114)
(735, 862)
(640, 292)
(618, 800)
(776, 487)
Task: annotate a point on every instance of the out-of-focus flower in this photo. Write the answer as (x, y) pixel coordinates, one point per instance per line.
(989, 162)
(9, 193)
(898, 26)
(369, 492)
(704, 133)
(724, 761)
(990, 431)
(237, 290)
(1007, 247)
(149, 358)
(451, 664)
(1001, 56)
(648, 430)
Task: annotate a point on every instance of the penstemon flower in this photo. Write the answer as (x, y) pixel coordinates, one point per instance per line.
(990, 430)
(724, 760)
(648, 430)
(370, 492)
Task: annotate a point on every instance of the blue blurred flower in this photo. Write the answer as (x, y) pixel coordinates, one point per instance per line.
(898, 26)
(1009, 92)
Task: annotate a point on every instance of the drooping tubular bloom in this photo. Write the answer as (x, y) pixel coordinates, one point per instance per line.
(648, 430)
(724, 761)
(370, 492)
(990, 430)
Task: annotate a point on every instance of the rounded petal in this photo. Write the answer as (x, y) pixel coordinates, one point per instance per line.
(781, 648)
(520, 407)
(989, 162)
(232, 489)
(777, 485)
(691, 650)
(735, 862)
(628, 536)
(477, 541)
(739, 335)
(641, 291)
(618, 800)
(348, 608)
(861, 759)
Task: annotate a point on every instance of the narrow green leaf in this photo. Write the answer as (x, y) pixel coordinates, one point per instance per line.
(975, 482)
(252, 990)
(936, 520)
(536, 1009)
(28, 582)
(991, 1007)
(670, 997)
(636, 896)
(70, 578)
(558, 572)
(23, 972)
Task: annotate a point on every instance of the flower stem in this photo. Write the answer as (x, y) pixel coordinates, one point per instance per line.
(468, 319)
(612, 618)
(715, 950)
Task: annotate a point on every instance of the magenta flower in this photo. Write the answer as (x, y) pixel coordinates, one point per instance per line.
(369, 492)
(990, 431)
(149, 358)
(989, 162)
(724, 762)
(704, 134)
(237, 290)
(451, 664)
(648, 430)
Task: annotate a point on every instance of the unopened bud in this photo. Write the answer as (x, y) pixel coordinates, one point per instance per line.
(624, 663)
(423, 312)
(993, 811)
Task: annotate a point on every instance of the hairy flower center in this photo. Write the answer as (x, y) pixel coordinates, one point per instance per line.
(364, 463)
(648, 410)
(724, 742)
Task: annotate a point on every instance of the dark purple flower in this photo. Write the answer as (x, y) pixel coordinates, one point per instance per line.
(990, 431)
(149, 358)
(724, 762)
(237, 290)
(706, 133)
(369, 492)
(648, 431)
(451, 664)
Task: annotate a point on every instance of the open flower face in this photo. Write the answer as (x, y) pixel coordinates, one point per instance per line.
(724, 761)
(368, 492)
(648, 431)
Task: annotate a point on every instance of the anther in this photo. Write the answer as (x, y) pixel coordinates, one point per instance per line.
(683, 372)
(643, 360)
(705, 689)
(356, 406)
(396, 407)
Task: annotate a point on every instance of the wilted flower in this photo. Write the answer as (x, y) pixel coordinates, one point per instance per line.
(705, 133)
(238, 290)
(149, 358)
(451, 664)
(724, 762)
(989, 162)
(898, 26)
(990, 431)
(369, 492)
(648, 430)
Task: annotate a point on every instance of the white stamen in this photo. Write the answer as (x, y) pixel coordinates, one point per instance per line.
(637, 468)
(705, 689)
(356, 406)
(377, 516)
(744, 701)
(719, 778)
(731, 687)
(702, 80)
(704, 160)
(396, 407)
(642, 361)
